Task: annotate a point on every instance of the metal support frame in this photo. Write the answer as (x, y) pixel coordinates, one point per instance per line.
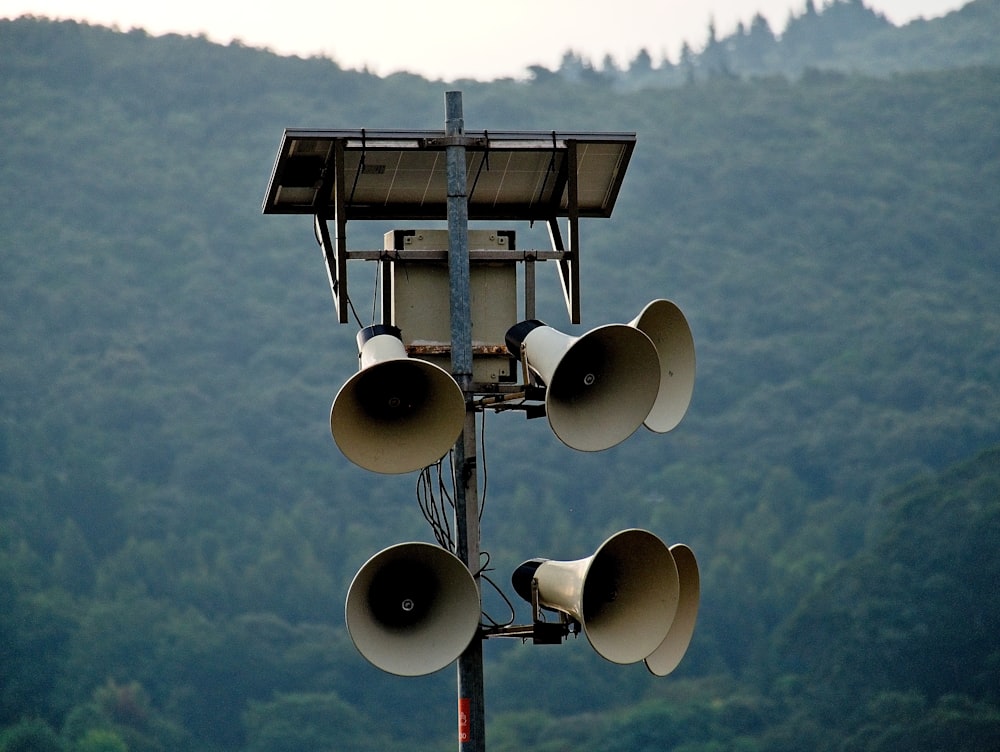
(334, 249)
(569, 264)
(333, 201)
(336, 254)
(471, 703)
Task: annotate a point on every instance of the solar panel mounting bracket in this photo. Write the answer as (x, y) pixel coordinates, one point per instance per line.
(340, 175)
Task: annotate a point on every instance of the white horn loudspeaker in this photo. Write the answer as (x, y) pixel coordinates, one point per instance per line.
(666, 658)
(397, 414)
(624, 596)
(412, 609)
(599, 387)
(663, 322)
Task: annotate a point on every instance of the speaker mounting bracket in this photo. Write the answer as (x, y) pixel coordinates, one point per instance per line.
(540, 632)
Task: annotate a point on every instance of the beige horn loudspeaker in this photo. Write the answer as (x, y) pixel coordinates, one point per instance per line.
(397, 414)
(599, 387)
(666, 658)
(663, 322)
(624, 596)
(412, 609)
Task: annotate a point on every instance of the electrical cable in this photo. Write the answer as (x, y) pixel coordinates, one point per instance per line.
(482, 453)
(378, 277)
(436, 499)
(351, 304)
(432, 507)
(482, 575)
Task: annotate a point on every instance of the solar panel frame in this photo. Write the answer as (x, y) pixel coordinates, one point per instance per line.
(510, 175)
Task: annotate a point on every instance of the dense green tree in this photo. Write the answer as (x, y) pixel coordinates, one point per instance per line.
(121, 716)
(99, 740)
(32, 735)
(752, 47)
(299, 721)
(915, 612)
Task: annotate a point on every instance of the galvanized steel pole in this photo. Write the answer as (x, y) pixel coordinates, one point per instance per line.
(471, 706)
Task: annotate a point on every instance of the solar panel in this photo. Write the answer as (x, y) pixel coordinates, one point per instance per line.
(403, 174)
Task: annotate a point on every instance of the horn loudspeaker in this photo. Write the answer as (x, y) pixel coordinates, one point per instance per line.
(599, 387)
(397, 414)
(624, 596)
(412, 609)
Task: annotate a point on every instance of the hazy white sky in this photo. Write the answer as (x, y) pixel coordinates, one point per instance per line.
(483, 39)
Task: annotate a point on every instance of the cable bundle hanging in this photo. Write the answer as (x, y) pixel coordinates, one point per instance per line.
(489, 621)
(437, 502)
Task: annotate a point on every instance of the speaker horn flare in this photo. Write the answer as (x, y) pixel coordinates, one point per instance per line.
(664, 323)
(396, 414)
(412, 609)
(668, 655)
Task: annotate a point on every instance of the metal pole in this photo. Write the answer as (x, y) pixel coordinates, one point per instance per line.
(471, 707)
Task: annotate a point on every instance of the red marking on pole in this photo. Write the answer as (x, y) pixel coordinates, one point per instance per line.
(464, 720)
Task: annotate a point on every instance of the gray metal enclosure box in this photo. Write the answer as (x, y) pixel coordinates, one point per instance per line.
(420, 300)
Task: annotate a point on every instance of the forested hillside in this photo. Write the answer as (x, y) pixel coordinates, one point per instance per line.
(178, 530)
(835, 35)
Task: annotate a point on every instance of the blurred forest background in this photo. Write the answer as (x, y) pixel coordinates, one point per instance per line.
(178, 530)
